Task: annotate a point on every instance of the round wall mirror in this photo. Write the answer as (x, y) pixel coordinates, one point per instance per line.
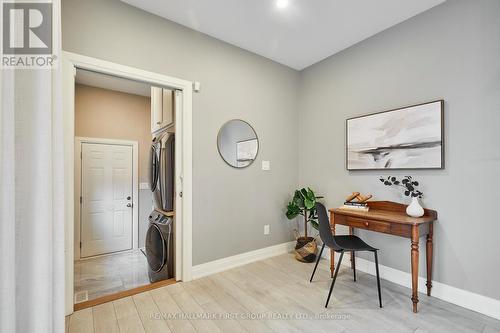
(237, 143)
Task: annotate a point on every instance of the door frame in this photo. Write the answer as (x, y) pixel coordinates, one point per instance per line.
(184, 164)
(78, 187)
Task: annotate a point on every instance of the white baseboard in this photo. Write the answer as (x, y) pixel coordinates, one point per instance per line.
(223, 264)
(466, 299)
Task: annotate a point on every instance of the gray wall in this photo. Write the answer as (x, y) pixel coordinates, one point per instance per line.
(230, 206)
(450, 52)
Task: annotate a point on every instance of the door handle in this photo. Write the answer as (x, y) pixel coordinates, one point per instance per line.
(129, 205)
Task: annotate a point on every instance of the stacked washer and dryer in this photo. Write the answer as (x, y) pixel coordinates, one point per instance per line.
(160, 235)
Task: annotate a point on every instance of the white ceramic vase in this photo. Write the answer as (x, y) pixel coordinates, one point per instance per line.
(414, 209)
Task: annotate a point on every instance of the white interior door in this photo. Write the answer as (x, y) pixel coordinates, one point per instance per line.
(106, 191)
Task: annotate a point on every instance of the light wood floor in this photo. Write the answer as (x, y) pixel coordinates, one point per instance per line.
(278, 290)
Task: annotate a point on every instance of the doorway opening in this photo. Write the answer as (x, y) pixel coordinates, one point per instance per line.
(128, 180)
(116, 121)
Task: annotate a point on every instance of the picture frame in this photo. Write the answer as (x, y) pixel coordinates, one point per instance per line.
(405, 138)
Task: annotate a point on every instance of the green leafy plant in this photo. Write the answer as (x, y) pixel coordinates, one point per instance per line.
(304, 204)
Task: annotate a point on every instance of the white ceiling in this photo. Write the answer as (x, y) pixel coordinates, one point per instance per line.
(110, 82)
(303, 33)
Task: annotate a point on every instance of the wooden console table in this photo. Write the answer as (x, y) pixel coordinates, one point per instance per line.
(390, 218)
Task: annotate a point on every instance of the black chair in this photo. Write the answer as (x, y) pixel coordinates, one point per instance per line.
(341, 244)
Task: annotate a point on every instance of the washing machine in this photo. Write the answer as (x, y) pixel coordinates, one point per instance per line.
(162, 171)
(160, 247)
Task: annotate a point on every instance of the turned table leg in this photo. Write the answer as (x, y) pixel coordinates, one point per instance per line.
(428, 253)
(353, 263)
(332, 253)
(414, 266)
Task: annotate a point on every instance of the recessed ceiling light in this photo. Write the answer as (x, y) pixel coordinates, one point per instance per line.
(281, 4)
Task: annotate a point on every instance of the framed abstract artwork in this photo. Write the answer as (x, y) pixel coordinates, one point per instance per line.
(411, 137)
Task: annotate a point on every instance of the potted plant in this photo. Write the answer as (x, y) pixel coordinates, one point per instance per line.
(410, 187)
(304, 204)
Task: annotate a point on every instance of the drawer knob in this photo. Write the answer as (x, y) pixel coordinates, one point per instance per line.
(366, 224)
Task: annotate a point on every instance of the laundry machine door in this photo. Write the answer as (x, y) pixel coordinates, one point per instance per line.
(156, 253)
(155, 174)
(154, 165)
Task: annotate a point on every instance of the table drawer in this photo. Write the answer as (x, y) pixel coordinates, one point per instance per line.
(378, 226)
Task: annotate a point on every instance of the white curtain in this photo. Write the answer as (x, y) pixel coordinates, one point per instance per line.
(32, 198)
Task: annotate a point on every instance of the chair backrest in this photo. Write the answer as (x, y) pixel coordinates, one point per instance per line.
(325, 232)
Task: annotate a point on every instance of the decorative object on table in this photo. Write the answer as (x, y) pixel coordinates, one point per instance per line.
(404, 138)
(304, 203)
(359, 207)
(357, 201)
(353, 196)
(238, 143)
(357, 197)
(410, 190)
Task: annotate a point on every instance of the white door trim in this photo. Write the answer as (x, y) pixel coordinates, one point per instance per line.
(184, 116)
(135, 186)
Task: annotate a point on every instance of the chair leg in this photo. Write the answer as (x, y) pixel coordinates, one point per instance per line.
(378, 279)
(317, 262)
(353, 261)
(334, 278)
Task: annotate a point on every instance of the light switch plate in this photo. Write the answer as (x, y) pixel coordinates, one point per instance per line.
(266, 229)
(266, 165)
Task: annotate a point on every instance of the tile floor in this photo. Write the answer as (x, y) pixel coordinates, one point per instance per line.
(110, 274)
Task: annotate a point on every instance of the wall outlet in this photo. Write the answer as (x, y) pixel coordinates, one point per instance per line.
(266, 165)
(266, 229)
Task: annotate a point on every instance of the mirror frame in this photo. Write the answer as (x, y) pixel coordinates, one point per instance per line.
(256, 136)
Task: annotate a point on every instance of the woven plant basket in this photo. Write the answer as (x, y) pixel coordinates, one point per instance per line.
(306, 249)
